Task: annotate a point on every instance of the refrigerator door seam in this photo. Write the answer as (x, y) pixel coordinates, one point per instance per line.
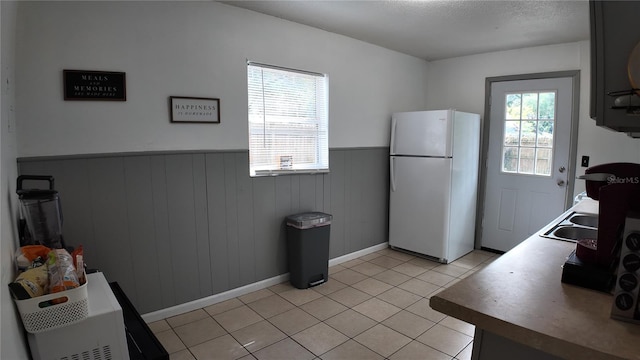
(393, 136)
(422, 156)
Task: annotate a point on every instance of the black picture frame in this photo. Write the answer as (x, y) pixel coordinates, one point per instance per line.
(94, 85)
(194, 110)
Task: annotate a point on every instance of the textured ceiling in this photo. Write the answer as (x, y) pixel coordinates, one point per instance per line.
(437, 29)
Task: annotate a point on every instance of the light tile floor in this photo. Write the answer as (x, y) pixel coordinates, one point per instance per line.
(372, 307)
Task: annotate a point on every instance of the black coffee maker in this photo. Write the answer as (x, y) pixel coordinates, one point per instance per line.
(40, 213)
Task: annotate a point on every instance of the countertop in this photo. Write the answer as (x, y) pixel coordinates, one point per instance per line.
(519, 296)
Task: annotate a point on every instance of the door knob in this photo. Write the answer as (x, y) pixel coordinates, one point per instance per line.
(561, 183)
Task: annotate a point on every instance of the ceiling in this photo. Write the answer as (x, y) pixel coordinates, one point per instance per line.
(439, 29)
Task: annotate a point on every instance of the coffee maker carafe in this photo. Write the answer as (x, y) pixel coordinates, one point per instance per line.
(40, 214)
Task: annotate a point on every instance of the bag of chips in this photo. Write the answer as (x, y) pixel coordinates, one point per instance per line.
(62, 273)
(27, 254)
(30, 283)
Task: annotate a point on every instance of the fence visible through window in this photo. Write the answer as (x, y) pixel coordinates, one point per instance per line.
(527, 146)
(288, 120)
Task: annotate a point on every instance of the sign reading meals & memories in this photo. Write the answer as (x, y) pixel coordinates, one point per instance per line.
(94, 85)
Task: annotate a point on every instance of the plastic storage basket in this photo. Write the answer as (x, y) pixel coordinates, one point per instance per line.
(39, 315)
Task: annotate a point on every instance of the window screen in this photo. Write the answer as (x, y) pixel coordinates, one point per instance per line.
(288, 120)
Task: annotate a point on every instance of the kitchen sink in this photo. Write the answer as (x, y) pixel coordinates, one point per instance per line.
(585, 220)
(574, 227)
(575, 232)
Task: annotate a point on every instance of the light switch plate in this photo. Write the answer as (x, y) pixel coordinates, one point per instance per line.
(585, 161)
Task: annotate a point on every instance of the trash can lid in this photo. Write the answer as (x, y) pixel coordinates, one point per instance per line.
(309, 220)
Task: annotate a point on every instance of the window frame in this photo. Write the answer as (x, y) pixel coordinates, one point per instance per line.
(536, 145)
(279, 123)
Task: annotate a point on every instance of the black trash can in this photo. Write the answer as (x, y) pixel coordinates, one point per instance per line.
(308, 248)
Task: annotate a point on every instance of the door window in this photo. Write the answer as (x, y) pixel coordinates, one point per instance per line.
(527, 146)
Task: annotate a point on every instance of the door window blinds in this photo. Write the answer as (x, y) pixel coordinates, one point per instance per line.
(288, 121)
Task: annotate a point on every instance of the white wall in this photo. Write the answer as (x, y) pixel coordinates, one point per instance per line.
(190, 49)
(460, 83)
(12, 343)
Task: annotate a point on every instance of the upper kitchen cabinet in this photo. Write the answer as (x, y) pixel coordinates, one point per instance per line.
(615, 65)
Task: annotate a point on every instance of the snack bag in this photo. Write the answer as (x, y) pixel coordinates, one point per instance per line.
(30, 283)
(27, 254)
(62, 273)
(78, 262)
(74, 255)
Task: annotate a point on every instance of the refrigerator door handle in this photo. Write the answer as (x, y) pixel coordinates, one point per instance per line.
(393, 174)
(393, 136)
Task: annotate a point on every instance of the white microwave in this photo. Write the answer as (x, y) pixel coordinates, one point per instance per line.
(101, 336)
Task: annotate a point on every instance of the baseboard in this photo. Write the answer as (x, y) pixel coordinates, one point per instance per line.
(214, 299)
(499, 252)
(357, 254)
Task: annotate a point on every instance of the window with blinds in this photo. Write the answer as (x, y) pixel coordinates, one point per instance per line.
(288, 120)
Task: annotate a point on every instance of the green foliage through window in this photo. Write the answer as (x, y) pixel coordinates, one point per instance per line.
(527, 146)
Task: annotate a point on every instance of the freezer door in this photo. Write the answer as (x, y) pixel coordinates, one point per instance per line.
(419, 204)
(422, 133)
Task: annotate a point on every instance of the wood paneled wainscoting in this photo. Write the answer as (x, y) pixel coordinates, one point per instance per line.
(173, 227)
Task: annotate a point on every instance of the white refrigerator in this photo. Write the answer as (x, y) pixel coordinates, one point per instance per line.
(434, 159)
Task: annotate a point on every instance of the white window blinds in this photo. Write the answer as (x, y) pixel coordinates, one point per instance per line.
(288, 120)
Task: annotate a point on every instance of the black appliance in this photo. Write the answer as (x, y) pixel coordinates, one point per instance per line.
(40, 213)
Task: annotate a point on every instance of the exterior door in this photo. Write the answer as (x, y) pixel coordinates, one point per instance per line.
(528, 158)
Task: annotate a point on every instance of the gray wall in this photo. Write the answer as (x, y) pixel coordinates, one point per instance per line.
(175, 227)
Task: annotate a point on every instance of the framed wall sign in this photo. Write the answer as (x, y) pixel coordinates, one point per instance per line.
(195, 110)
(94, 85)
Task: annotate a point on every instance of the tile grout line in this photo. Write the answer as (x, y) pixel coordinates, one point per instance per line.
(323, 295)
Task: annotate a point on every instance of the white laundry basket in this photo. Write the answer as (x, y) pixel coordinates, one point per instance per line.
(39, 314)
